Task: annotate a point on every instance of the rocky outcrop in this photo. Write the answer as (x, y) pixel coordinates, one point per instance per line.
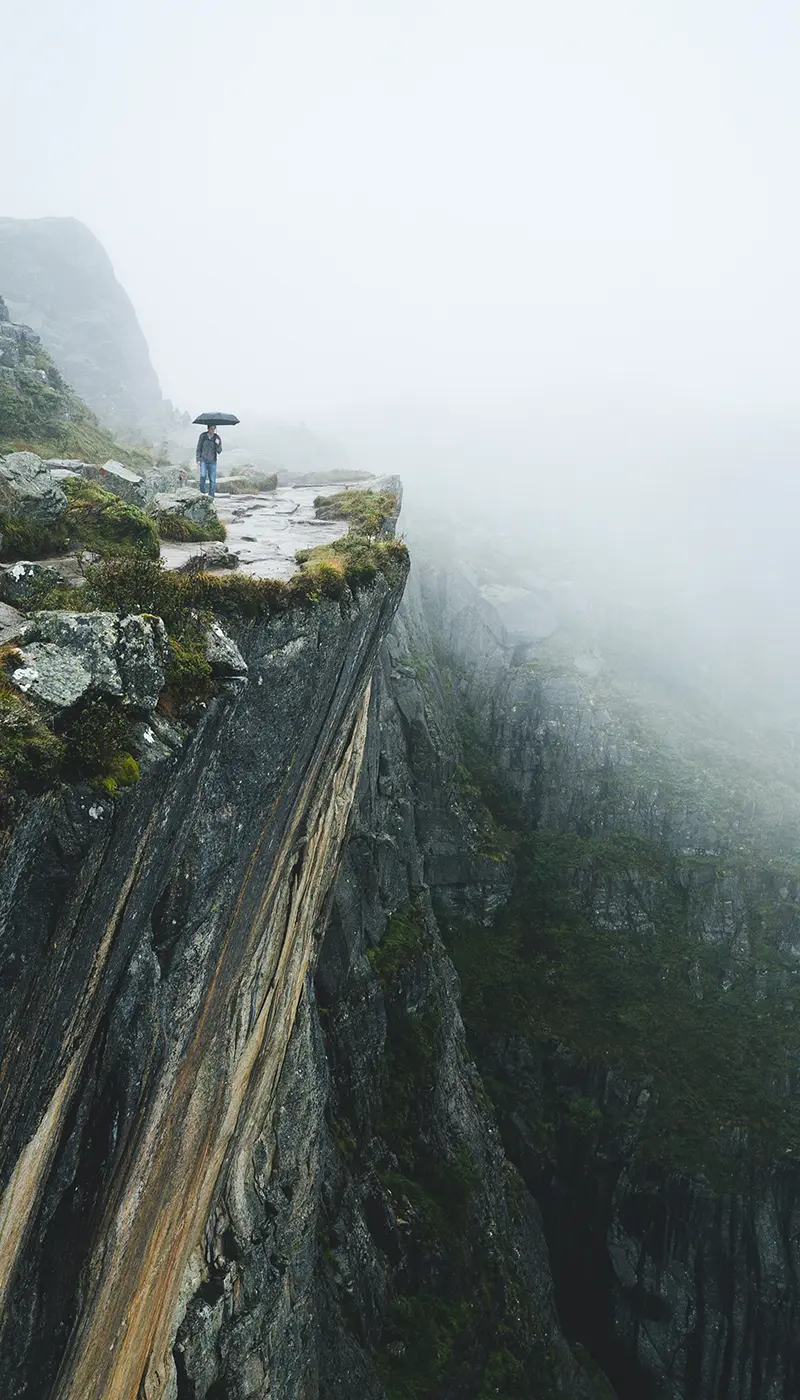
(25, 582)
(57, 278)
(153, 954)
(65, 656)
(373, 1240)
(117, 479)
(671, 1239)
(185, 504)
(28, 491)
(210, 556)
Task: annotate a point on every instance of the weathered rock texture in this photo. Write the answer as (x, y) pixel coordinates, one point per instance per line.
(153, 954)
(245, 1148)
(184, 504)
(682, 1287)
(28, 491)
(66, 655)
(373, 1239)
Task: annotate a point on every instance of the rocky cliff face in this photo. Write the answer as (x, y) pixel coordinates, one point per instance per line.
(633, 1007)
(248, 1145)
(374, 1241)
(58, 280)
(154, 952)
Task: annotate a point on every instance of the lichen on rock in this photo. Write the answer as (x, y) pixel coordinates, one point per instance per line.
(65, 655)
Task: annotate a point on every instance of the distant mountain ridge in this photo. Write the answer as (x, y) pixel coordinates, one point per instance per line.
(57, 278)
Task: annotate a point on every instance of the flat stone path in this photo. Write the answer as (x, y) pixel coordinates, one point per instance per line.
(267, 530)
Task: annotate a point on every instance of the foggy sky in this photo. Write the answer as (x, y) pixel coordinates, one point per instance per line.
(481, 204)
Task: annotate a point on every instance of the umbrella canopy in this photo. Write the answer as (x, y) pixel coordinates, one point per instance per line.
(220, 420)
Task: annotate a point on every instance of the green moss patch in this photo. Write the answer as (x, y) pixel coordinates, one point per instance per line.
(404, 942)
(367, 512)
(353, 562)
(183, 531)
(98, 520)
(95, 519)
(20, 539)
(90, 746)
(31, 755)
(95, 739)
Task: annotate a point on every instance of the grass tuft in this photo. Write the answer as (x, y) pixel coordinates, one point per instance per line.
(183, 531)
(368, 512)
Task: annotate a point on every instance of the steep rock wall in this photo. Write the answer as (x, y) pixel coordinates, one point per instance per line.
(57, 278)
(153, 954)
(373, 1240)
(683, 1289)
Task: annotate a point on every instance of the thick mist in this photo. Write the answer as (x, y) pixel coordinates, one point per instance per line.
(539, 259)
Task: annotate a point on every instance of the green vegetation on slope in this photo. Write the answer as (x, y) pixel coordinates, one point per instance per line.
(90, 744)
(95, 519)
(355, 560)
(45, 416)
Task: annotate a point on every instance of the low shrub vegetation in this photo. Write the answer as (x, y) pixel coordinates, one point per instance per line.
(95, 746)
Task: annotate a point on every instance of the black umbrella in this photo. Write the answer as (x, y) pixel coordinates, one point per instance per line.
(220, 420)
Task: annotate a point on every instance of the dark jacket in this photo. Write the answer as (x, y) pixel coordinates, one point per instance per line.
(208, 448)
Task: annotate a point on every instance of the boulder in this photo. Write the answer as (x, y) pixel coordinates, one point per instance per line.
(187, 503)
(212, 555)
(113, 477)
(26, 582)
(27, 490)
(60, 474)
(165, 478)
(222, 653)
(66, 655)
(11, 623)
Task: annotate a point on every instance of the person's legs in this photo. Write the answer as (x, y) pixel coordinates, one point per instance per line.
(212, 478)
(203, 466)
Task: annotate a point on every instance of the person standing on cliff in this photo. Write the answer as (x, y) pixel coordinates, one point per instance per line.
(209, 446)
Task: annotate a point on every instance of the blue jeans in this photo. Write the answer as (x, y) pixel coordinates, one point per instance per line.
(208, 469)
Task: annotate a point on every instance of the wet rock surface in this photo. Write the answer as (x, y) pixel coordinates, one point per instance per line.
(324, 1234)
(28, 491)
(222, 653)
(212, 555)
(11, 623)
(153, 949)
(24, 583)
(266, 531)
(119, 480)
(185, 503)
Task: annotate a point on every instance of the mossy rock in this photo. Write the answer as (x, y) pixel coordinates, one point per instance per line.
(101, 521)
(368, 512)
(182, 531)
(249, 485)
